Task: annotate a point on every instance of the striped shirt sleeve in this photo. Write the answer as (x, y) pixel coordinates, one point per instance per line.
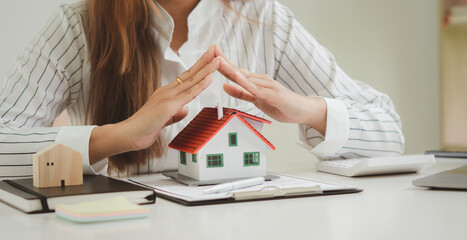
(361, 121)
(37, 90)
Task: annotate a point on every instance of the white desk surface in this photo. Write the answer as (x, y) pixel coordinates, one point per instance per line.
(390, 207)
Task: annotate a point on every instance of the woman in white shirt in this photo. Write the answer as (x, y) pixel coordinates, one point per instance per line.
(133, 73)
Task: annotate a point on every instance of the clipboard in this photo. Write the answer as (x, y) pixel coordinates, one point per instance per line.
(284, 187)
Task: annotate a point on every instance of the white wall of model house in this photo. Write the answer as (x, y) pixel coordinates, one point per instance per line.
(233, 165)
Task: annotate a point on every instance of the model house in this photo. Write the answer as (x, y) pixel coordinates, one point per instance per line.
(57, 165)
(229, 147)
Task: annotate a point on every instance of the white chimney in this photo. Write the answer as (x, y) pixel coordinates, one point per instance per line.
(220, 111)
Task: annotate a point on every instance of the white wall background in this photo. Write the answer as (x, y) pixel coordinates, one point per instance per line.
(390, 44)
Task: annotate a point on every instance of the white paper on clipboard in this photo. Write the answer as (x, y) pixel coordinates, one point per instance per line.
(284, 186)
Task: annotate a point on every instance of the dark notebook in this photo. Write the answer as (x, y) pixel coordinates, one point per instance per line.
(22, 195)
(447, 154)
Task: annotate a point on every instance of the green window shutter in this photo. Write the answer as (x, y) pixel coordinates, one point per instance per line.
(215, 160)
(233, 140)
(183, 158)
(251, 159)
(194, 158)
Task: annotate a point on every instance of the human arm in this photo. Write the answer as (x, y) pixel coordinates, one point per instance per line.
(273, 98)
(50, 77)
(164, 107)
(360, 121)
(45, 80)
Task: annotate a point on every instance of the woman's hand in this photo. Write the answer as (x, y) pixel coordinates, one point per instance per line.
(164, 107)
(273, 98)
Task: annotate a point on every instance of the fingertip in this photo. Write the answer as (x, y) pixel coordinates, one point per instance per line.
(206, 81)
(226, 87)
(208, 77)
(224, 64)
(186, 109)
(218, 50)
(219, 59)
(235, 91)
(205, 84)
(210, 53)
(180, 114)
(215, 64)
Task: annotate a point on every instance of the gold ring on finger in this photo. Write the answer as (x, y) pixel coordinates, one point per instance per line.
(179, 80)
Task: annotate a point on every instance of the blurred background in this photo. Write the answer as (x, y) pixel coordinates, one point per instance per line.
(392, 45)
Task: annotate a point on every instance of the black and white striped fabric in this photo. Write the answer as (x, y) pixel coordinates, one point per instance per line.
(261, 36)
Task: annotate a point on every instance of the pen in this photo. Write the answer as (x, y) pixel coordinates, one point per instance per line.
(229, 186)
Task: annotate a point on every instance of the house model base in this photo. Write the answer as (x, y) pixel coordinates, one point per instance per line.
(194, 182)
(213, 149)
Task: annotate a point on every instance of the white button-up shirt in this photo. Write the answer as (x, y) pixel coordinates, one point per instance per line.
(261, 36)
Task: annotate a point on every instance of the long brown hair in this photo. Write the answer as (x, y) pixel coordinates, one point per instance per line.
(125, 66)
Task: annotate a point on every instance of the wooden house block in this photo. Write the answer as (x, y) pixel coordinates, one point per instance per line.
(57, 165)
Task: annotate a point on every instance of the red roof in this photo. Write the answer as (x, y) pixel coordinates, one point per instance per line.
(206, 125)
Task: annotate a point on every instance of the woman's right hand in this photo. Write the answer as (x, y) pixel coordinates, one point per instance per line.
(164, 107)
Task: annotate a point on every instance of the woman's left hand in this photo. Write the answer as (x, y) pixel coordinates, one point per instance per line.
(273, 98)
